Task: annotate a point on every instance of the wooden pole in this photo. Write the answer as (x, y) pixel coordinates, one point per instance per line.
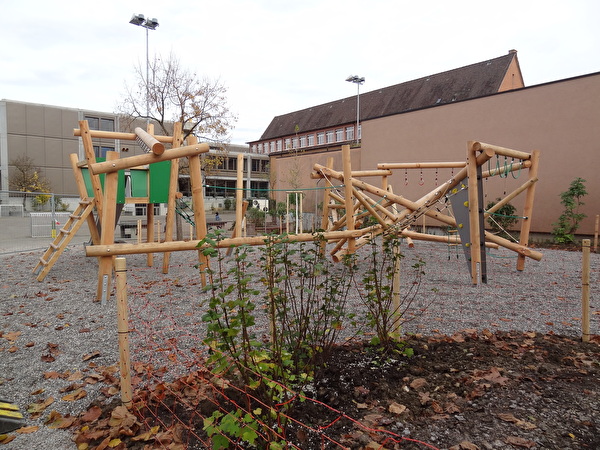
(348, 198)
(326, 200)
(585, 292)
(473, 185)
(482, 146)
(239, 195)
(119, 135)
(198, 207)
(150, 143)
(396, 313)
(425, 165)
(528, 208)
(150, 231)
(107, 228)
(596, 233)
(173, 188)
(88, 148)
(180, 246)
(123, 331)
(148, 158)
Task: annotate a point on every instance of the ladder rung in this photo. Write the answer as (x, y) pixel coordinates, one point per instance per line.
(43, 262)
(54, 246)
(85, 202)
(74, 217)
(64, 231)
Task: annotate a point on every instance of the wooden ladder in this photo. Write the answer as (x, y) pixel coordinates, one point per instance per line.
(65, 234)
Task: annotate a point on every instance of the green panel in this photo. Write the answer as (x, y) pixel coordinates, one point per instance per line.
(139, 183)
(121, 187)
(160, 173)
(88, 181)
(90, 190)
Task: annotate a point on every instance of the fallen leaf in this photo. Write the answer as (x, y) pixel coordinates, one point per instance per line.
(396, 408)
(519, 442)
(418, 383)
(6, 438)
(147, 435)
(57, 420)
(11, 336)
(92, 414)
(52, 375)
(76, 395)
(91, 355)
(35, 409)
(28, 430)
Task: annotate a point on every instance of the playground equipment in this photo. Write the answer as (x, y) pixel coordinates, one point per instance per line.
(396, 214)
(153, 179)
(101, 186)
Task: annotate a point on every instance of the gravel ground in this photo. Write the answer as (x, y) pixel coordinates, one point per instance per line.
(55, 326)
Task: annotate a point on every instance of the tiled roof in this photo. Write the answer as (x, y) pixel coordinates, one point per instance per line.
(475, 80)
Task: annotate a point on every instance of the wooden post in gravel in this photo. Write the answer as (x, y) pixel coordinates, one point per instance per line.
(596, 233)
(123, 330)
(585, 292)
(349, 198)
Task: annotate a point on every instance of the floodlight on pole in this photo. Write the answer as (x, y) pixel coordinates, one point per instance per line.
(149, 24)
(358, 80)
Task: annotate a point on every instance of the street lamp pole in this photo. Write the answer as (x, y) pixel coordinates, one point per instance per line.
(358, 80)
(148, 24)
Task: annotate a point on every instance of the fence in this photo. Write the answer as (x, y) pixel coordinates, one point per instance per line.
(28, 220)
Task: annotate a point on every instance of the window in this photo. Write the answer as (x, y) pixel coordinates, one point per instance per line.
(98, 123)
(295, 142)
(329, 136)
(311, 140)
(100, 151)
(288, 143)
(93, 122)
(253, 148)
(279, 144)
(272, 146)
(320, 138)
(107, 124)
(339, 135)
(259, 189)
(219, 188)
(260, 165)
(349, 133)
(359, 131)
(302, 141)
(260, 148)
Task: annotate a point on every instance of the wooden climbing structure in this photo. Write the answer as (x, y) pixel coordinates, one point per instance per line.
(101, 184)
(361, 202)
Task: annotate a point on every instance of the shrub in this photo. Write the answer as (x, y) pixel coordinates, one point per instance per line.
(569, 221)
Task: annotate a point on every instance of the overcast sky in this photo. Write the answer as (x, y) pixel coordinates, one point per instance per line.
(278, 56)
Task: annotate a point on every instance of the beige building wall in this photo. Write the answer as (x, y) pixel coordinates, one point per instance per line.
(45, 134)
(560, 119)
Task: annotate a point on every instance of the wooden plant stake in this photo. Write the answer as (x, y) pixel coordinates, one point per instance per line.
(585, 292)
(123, 330)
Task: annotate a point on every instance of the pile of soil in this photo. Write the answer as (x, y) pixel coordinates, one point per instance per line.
(503, 390)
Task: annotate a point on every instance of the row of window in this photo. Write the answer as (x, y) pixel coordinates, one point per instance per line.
(230, 163)
(307, 140)
(227, 188)
(100, 123)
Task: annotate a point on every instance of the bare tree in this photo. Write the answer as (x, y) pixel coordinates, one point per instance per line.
(27, 177)
(177, 95)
